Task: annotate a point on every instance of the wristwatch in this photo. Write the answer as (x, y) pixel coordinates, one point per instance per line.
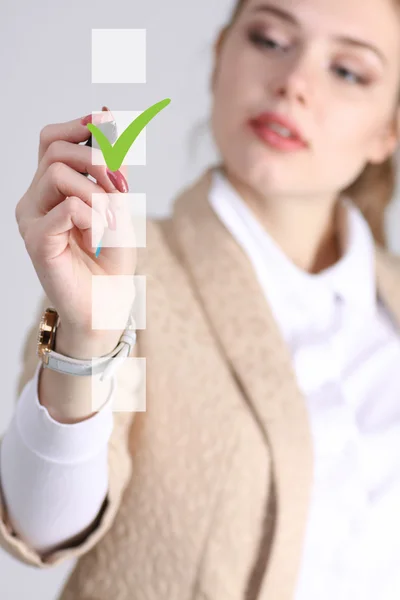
(105, 365)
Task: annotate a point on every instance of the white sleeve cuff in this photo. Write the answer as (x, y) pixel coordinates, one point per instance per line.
(61, 442)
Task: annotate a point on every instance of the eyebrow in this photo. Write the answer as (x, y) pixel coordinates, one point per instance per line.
(290, 18)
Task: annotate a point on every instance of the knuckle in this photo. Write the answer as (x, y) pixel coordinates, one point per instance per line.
(44, 134)
(17, 212)
(55, 170)
(54, 150)
(72, 204)
(22, 228)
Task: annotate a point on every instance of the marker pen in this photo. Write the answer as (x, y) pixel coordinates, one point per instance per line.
(109, 128)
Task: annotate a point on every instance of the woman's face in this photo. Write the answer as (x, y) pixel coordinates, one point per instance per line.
(342, 96)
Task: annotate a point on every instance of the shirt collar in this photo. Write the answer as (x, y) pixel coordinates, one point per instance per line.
(352, 277)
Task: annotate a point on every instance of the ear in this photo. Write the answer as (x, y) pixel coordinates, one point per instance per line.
(388, 141)
(217, 50)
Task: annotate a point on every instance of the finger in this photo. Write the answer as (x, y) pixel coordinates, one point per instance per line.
(124, 170)
(49, 236)
(54, 229)
(80, 159)
(59, 182)
(69, 131)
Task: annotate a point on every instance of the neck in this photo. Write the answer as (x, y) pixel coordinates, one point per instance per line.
(308, 230)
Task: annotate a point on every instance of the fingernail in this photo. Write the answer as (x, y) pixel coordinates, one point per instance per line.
(118, 180)
(86, 120)
(105, 108)
(112, 222)
(98, 117)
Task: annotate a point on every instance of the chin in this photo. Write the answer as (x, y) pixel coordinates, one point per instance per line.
(254, 169)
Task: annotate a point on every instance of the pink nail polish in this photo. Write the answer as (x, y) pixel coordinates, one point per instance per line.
(86, 120)
(111, 219)
(118, 180)
(105, 108)
(97, 118)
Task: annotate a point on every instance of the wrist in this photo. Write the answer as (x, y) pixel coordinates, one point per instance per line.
(85, 347)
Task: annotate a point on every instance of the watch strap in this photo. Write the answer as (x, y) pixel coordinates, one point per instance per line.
(86, 367)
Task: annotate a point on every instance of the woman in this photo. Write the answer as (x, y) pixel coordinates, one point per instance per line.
(265, 464)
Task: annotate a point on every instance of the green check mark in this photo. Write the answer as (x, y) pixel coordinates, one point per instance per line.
(114, 155)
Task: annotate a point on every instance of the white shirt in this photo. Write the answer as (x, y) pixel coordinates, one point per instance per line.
(345, 349)
(346, 352)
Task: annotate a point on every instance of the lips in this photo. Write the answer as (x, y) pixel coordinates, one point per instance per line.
(268, 118)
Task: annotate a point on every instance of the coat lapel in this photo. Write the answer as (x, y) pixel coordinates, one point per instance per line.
(260, 360)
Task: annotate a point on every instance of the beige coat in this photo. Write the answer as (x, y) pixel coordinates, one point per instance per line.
(209, 488)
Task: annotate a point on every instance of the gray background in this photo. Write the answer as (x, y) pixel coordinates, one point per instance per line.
(46, 78)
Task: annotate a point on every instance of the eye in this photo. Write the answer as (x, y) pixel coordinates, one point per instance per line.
(351, 76)
(266, 42)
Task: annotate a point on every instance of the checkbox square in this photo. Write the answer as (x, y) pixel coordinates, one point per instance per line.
(130, 374)
(129, 211)
(118, 55)
(136, 155)
(116, 299)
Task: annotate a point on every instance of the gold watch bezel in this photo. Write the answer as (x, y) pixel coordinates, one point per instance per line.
(47, 333)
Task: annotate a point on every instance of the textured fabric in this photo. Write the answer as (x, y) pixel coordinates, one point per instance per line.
(210, 487)
(348, 373)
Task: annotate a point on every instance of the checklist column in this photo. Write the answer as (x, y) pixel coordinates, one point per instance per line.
(119, 57)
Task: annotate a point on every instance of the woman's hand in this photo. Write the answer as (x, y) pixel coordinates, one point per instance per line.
(56, 220)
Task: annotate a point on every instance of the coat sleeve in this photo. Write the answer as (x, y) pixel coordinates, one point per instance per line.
(119, 464)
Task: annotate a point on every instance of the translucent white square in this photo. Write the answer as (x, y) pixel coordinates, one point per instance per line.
(133, 373)
(136, 155)
(129, 397)
(130, 221)
(118, 55)
(116, 298)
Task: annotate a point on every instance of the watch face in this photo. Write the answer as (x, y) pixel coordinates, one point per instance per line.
(47, 331)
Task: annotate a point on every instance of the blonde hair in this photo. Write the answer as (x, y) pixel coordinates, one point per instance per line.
(373, 189)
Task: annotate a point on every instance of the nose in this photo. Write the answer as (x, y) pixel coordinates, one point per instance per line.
(295, 78)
